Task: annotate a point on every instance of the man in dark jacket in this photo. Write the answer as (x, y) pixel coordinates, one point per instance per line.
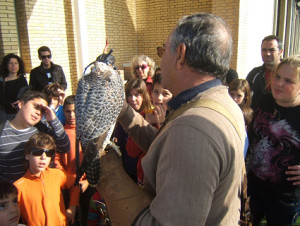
(259, 77)
(47, 72)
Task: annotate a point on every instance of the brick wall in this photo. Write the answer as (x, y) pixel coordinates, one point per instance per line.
(115, 20)
(8, 27)
(47, 23)
(132, 26)
(229, 11)
(155, 19)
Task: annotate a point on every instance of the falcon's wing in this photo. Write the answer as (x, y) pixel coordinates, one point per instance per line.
(99, 100)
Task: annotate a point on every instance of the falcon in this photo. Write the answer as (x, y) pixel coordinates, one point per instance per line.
(98, 102)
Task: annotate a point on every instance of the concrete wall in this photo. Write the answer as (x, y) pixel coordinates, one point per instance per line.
(255, 23)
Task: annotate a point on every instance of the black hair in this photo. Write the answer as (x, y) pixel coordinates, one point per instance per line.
(30, 95)
(157, 79)
(69, 100)
(7, 188)
(43, 49)
(4, 65)
(273, 37)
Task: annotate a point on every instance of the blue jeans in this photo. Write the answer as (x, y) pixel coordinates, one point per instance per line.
(264, 203)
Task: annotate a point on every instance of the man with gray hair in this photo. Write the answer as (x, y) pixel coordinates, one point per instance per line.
(193, 165)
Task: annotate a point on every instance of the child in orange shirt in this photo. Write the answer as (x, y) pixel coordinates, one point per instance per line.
(39, 190)
(68, 161)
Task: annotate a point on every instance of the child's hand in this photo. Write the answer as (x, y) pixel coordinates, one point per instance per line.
(160, 114)
(71, 214)
(150, 118)
(62, 96)
(49, 113)
(294, 171)
(83, 185)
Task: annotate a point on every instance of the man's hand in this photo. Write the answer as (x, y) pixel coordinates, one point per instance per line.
(150, 118)
(160, 114)
(124, 199)
(295, 172)
(109, 161)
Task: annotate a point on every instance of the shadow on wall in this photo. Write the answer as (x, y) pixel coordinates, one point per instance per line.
(22, 18)
(71, 45)
(24, 11)
(1, 45)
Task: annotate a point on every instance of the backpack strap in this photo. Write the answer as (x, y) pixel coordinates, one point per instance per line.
(200, 103)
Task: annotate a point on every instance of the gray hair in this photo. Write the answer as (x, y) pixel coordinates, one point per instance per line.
(208, 43)
(137, 59)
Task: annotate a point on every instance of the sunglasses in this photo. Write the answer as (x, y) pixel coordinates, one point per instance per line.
(46, 56)
(40, 151)
(143, 66)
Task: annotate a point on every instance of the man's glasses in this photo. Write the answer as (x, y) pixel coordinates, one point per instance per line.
(143, 67)
(40, 151)
(46, 56)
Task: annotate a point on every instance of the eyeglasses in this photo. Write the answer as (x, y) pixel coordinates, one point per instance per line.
(143, 67)
(40, 151)
(46, 56)
(171, 44)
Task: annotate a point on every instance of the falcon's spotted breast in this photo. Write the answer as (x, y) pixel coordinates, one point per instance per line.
(99, 100)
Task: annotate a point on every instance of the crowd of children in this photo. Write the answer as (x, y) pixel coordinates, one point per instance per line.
(37, 146)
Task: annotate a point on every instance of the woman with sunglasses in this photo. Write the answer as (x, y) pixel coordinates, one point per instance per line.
(39, 190)
(12, 80)
(143, 67)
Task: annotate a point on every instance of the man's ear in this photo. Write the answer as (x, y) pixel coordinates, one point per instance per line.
(27, 156)
(280, 52)
(180, 54)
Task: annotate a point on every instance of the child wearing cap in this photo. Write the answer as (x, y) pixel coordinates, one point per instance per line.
(39, 190)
